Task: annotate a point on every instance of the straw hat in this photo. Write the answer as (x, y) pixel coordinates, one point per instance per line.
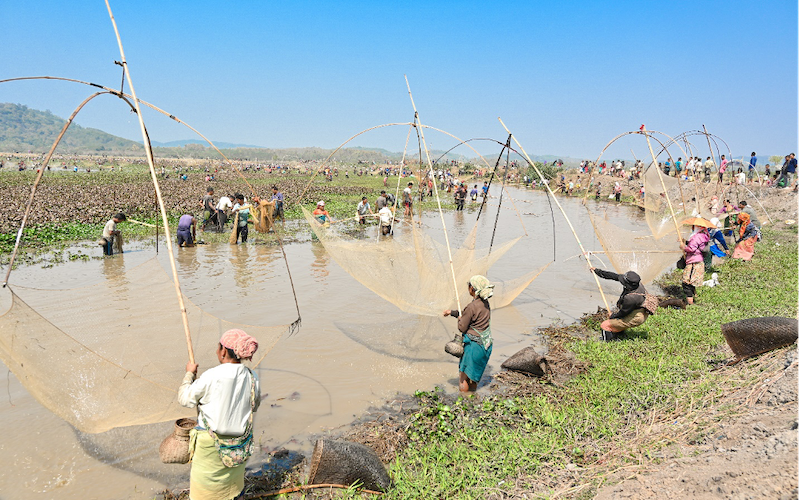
(698, 221)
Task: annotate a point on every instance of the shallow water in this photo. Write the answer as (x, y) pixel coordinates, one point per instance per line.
(354, 349)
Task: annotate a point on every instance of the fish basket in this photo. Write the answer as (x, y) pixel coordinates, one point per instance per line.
(455, 347)
(527, 360)
(175, 447)
(345, 462)
(753, 336)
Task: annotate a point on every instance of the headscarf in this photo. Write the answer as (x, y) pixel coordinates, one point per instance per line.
(242, 344)
(482, 286)
(744, 220)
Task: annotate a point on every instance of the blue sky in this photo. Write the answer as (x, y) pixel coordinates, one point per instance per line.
(566, 77)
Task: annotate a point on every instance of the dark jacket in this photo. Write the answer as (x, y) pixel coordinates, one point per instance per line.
(632, 297)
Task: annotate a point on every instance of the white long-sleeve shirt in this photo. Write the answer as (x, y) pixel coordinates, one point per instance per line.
(223, 396)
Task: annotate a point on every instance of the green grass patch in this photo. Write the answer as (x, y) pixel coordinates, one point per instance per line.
(475, 446)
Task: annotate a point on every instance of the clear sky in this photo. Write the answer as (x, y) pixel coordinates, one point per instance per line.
(566, 77)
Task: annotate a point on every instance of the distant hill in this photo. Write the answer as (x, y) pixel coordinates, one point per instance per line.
(220, 145)
(24, 129)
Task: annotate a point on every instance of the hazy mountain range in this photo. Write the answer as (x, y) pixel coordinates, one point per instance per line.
(23, 129)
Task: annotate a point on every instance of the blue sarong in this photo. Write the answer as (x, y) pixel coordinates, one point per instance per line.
(473, 362)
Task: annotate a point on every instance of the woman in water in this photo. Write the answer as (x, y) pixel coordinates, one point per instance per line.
(474, 323)
(226, 397)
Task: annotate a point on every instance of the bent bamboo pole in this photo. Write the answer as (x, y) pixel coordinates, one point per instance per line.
(549, 190)
(38, 179)
(151, 164)
(125, 97)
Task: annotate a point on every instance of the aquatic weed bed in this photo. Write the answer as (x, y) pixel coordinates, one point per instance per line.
(72, 207)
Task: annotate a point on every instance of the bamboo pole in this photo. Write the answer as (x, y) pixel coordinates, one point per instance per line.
(436, 192)
(666, 195)
(140, 222)
(151, 164)
(399, 176)
(38, 180)
(549, 190)
(713, 159)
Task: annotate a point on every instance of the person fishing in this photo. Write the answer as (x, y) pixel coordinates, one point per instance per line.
(634, 305)
(277, 197)
(242, 212)
(474, 323)
(693, 249)
(187, 230)
(749, 234)
(321, 214)
(226, 397)
(112, 234)
(460, 196)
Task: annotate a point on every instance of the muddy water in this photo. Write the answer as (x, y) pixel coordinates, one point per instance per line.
(354, 349)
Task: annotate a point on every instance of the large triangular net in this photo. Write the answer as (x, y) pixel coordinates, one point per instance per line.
(657, 187)
(112, 354)
(637, 251)
(412, 270)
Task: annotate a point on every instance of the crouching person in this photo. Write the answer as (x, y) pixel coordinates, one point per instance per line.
(634, 304)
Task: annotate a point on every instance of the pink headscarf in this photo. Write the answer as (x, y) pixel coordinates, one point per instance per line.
(242, 344)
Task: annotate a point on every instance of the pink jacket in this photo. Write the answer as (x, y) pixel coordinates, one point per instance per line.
(694, 248)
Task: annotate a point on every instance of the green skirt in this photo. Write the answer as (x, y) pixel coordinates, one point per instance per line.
(473, 362)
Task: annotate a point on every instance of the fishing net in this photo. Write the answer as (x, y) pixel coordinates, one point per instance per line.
(658, 188)
(412, 270)
(637, 251)
(263, 216)
(112, 354)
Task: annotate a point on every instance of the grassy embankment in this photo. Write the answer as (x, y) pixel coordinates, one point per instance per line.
(640, 395)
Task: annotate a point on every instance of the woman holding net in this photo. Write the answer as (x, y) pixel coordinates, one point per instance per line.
(226, 397)
(474, 323)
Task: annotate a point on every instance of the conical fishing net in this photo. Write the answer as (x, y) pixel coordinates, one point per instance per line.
(412, 270)
(657, 188)
(637, 251)
(112, 354)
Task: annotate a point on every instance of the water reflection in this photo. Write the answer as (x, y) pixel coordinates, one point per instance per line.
(319, 268)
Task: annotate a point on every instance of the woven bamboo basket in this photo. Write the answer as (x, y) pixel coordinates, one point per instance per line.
(753, 336)
(455, 347)
(175, 447)
(527, 360)
(345, 462)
